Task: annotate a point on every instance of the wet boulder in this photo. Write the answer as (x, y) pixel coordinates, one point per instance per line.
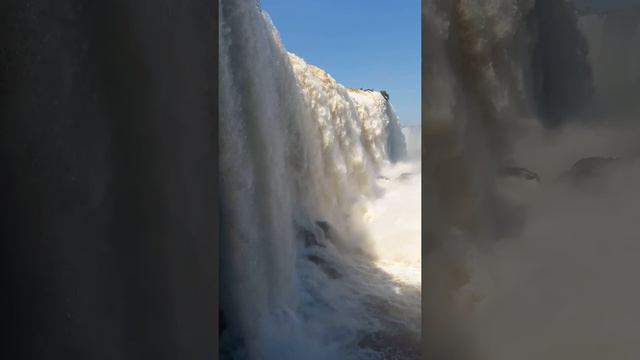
(327, 229)
(521, 173)
(589, 169)
(309, 238)
(325, 267)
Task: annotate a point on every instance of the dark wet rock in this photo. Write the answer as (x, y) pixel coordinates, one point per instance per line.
(309, 238)
(331, 272)
(333, 237)
(522, 173)
(327, 229)
(384, 93)
(394, 345)
(383, 177)
(590, 168)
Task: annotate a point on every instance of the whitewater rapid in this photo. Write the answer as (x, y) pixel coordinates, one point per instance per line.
(304, 273)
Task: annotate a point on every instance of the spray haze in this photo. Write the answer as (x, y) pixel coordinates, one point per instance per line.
(531, 181)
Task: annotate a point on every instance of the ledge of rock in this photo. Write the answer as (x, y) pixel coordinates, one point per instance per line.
(325, 267)
(589, 168)
(522, 173)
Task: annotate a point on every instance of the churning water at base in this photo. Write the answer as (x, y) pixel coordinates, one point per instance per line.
(320, 208)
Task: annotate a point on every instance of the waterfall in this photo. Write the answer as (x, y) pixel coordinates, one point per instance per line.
(300, 156)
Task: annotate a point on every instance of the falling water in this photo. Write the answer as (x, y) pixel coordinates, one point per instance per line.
(304, 273)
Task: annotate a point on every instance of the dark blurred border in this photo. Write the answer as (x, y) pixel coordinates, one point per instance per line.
(108, 149)
(427, 234)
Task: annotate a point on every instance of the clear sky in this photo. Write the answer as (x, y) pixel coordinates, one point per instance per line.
(361, 43)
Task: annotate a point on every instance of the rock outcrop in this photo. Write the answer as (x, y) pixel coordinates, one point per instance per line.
(522, 173)
(588, 169)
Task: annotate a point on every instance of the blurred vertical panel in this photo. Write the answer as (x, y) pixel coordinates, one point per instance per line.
(108, 143)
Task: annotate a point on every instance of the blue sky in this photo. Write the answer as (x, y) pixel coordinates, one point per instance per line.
(361, 43)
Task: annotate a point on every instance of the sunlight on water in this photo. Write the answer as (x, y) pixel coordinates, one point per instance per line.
(393, 220)
(303, 159)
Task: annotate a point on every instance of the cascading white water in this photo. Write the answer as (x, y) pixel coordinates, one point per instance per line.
(348, 138)
(413, 139)
(299, 166)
